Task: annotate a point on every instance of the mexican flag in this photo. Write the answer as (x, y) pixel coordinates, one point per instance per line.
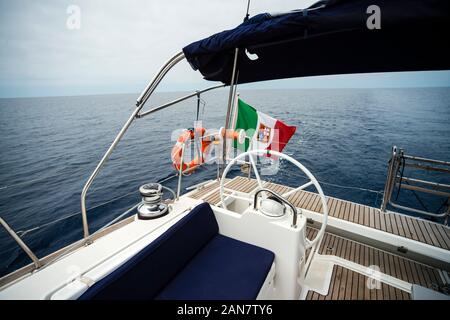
(262, 131)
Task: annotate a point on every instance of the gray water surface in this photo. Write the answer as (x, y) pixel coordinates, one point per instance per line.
(50, 146)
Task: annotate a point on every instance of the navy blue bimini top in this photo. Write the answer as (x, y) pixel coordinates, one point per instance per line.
(330, 37)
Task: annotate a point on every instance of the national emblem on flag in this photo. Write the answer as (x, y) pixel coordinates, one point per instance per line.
(262, 130)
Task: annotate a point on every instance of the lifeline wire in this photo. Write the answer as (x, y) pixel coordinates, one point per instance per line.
(21, 233)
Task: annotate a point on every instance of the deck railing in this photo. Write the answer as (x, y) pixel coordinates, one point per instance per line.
(145, 95)
(396, 180)
(136, 114)
(13, 234)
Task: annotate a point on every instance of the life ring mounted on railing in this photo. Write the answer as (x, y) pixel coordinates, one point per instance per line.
(177, 150)
(206, 140)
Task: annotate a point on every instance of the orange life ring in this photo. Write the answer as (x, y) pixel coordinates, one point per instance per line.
(189, 134)
(177, 150)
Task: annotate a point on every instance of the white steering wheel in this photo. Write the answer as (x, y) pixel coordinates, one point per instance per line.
(313, 181)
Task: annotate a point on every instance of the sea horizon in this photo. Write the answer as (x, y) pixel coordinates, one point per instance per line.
(225, 88)
(50, 146)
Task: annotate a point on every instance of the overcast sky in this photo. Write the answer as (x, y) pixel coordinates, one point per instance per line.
(121, 44)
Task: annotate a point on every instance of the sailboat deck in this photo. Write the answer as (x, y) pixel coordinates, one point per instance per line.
(427, 232)
(346, 283)
(350, 285)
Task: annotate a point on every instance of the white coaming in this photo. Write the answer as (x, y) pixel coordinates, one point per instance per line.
(106, 253)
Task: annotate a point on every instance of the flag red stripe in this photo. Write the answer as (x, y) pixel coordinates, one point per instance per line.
(282, 134)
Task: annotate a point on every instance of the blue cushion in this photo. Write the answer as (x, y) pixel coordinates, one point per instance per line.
(146, 273)
(224, 269)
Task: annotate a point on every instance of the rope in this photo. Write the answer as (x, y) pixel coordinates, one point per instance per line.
(351, 187)
(203, 104)
(414, 192)
(21, 233)
(418, 198)
(200, 104)
(167, 178)
(378, 193)
(35, 180)
(119, 217)
(445, 203)
(344, 187)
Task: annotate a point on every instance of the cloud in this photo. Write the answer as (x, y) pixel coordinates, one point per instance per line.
(118, 48)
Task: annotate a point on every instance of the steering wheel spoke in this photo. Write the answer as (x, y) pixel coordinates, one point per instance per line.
(306, 185)
(255, 170)
(312, 181)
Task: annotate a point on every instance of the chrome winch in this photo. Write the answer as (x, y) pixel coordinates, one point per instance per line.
(152, 206)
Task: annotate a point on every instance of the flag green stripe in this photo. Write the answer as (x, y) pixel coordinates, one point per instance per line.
(247, 119)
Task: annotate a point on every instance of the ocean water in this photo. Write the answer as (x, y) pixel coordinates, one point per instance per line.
(50, 146)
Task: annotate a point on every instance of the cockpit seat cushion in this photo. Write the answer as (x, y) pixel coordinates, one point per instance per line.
(224, 269)
(191, 260)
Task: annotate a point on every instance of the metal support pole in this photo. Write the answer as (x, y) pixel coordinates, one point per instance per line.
(234, 103)
(389, 180)
(428, 168)
(424, 190)
(157, 79)
(427, 183)
(171, 103)
(198, 105)
(139, 105)
(180, 172)
(22, 244)
(393, 180)
(230, 105)
(437, 215)
(97, 170)
(420, 159)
